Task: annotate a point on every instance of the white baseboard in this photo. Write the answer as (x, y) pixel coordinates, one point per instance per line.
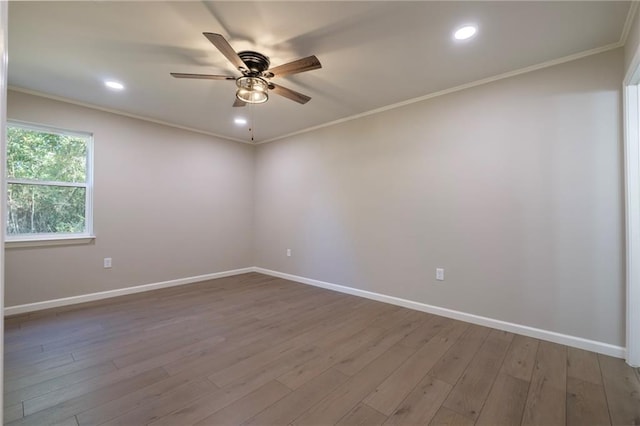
(551, 336)
(47, 304)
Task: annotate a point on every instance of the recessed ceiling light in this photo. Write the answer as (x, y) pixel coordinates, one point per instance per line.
(114, 85)
(465, 32)
(240, 121)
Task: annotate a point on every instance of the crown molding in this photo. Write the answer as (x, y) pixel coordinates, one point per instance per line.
(626, 28)
(632, 9)
(465, 86)
(122, 113)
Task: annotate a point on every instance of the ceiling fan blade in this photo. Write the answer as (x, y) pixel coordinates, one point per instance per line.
(290, 94)
(301, 65)
(225, 48)
(202, 76)
(238, 103)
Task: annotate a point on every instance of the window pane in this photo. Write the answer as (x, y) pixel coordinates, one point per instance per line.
(36, 209)
(45, 156)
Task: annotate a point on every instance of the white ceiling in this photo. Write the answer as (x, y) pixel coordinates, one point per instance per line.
(373, 53)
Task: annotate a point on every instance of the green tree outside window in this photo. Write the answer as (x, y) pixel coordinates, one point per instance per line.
(47, 181)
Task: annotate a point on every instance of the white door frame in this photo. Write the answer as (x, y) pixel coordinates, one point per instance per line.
(4, 11)
(631, 94)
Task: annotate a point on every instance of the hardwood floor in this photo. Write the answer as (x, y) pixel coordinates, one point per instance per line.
(253, 349)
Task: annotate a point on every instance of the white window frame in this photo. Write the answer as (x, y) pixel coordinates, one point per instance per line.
(26, 240)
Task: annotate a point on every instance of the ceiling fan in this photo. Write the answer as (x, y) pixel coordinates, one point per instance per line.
(254, 84)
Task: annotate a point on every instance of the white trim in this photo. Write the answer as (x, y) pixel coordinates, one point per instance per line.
(122, 113)
(47, 183)
(631, 127)
(4, 13)
(465, 86)
(39, 127)
(632, 218)
(38, 306)
(87, 137)
(551, 336)
(40, 241)
(631, 117)
(88, 193)
(626, 29)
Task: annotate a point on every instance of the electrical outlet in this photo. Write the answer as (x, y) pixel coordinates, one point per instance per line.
(107, 262)
(440, 274)
(288, 252)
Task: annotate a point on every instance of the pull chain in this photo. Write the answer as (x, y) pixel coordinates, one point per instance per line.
(252, 122)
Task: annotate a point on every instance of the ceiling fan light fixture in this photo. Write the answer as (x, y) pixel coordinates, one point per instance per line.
(252, 90)
(254, 85)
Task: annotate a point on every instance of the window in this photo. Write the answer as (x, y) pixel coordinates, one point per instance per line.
(49, 183)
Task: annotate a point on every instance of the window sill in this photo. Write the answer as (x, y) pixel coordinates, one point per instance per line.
(53, 241)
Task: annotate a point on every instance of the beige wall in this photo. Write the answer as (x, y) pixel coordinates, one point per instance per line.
(168, 204)
(514, 187)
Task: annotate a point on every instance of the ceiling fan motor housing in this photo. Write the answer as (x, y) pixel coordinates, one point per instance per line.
(256, 62)
(254, 85)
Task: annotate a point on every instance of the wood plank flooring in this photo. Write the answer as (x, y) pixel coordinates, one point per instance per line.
(258, 350)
